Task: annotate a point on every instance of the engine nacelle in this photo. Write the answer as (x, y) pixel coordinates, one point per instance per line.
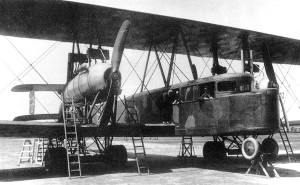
(89, 82)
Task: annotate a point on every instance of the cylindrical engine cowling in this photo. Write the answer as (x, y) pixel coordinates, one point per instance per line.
(87, 83)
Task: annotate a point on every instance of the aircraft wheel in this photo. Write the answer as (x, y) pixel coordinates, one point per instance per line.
(116, 155)
(214, 150)
(55, 159)
(270, 149)
(250, 148)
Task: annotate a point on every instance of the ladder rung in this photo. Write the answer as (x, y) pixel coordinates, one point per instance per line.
(143, 167)
(75, 170)
(73, 147)
(139, 153)
(73, 155)
(70, 111)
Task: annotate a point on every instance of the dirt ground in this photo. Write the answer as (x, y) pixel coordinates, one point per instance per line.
(165, 167)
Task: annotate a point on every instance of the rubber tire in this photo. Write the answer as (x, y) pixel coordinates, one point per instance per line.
(270, 149)
(256, 149)
(56, 159)
(116, 155)
(214, 150)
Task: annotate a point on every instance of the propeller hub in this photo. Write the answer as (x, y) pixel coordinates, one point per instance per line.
(115, 76)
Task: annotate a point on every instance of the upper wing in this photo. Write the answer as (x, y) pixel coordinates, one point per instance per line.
(38, 87)
(59, 20)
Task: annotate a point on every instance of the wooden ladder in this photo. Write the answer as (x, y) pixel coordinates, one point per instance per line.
(27, 153)
(187, 147)
(286, 142)
(283, 134)
(71, 139)
(138, 141)
(42, 146)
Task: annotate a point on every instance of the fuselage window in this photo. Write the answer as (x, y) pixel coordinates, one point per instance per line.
(195, 92)
(245, 87)
(207, 90)
(227, 86)
(189, 94)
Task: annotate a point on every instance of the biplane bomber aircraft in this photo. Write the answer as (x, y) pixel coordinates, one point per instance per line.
(225, 106)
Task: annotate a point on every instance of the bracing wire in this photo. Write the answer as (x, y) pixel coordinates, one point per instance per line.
(35, 63)
(175, 66)
(30, 64)
(132, 69)
(23, 83)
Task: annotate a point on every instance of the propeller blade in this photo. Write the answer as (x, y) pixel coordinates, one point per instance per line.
(119, 46)
(268, 63)
(115, 61)
(108, 108)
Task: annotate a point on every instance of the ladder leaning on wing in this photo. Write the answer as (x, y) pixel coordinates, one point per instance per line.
(71, 138)
(284, 136)
(138, 141)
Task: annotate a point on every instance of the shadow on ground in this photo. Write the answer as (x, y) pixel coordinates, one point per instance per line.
(158, 164)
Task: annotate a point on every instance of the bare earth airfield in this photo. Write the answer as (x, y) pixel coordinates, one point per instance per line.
(165, 167)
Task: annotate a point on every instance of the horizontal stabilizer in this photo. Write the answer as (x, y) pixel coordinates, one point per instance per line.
(36, 117)
(38, 87)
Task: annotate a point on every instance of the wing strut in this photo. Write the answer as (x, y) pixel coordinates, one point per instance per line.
(246, 53)
(146, 67)
(175, 44)
(192, 66)
(160, 66)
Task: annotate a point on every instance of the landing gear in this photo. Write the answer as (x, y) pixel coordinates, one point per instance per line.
(56, 159)
(261, 155)
(214, 150)
(270, 149)
(250, 148)
(116, 155)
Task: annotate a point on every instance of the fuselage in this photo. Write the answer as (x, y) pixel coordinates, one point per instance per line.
(233, 107)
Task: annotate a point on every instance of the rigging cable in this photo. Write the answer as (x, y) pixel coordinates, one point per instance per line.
(27, 70)
(227, 62)
(23, 83)
(132, 69)
(30, 64)
(139, 79)
(282, 81)
(175, 65)
(206, 62)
